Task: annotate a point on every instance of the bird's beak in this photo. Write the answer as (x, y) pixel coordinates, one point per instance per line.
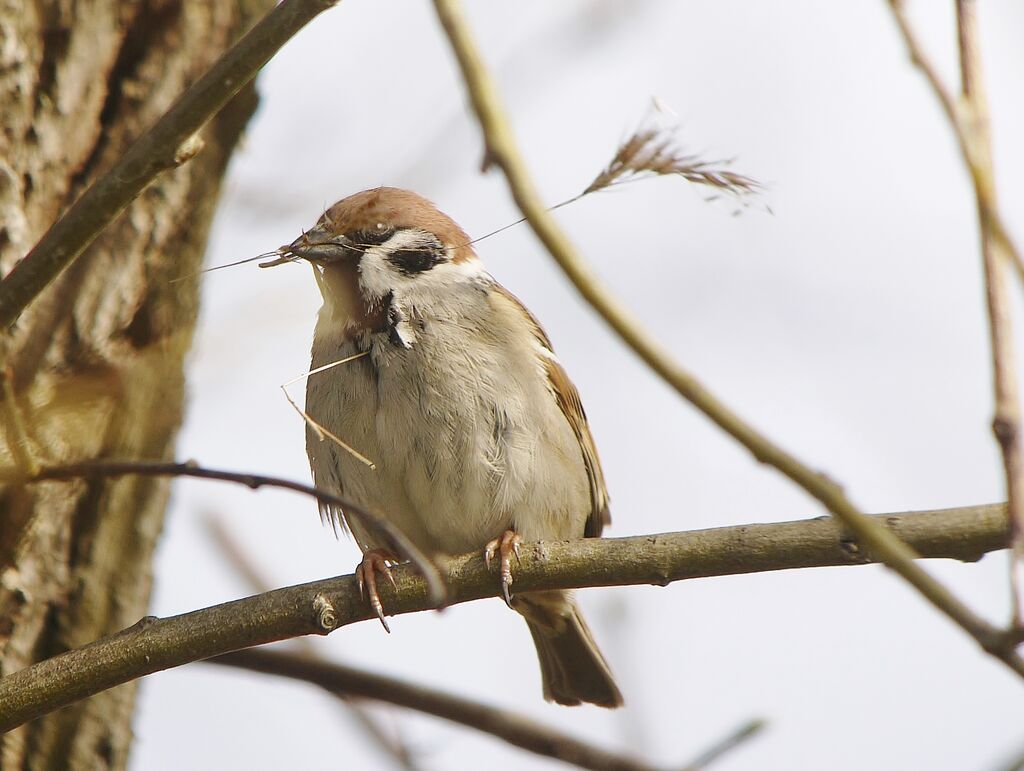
(317, 245)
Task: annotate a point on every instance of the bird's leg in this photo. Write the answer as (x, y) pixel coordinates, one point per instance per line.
(375, 561)
(504, 547)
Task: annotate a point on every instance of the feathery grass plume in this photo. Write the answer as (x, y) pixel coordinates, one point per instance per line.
(652, 152)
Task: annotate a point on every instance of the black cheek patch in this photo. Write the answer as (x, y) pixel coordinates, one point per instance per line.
(410, 261)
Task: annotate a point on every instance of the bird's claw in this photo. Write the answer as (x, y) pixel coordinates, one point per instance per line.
(375, 562)
(504, 547)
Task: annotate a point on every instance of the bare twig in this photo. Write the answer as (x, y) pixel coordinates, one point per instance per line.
(969, 119)
(165, 145)
(383, 528)
(1007, 422)
(1014, 763)
(735, 738)
(320, 607)
(346, 682)
(393, 747)
(501, 151)
(515, 729)
(225, 541)
(959, 122)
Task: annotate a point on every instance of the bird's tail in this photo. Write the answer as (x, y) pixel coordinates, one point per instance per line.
(572, 668)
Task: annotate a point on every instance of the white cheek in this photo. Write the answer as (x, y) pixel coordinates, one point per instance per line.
(442, 278)
(377, 277)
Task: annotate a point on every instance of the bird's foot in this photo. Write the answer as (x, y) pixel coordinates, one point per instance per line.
(504, 547)
(375, 561)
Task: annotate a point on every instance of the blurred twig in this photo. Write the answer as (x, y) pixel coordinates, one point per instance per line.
(501, 151)
(515, 729)
(322, 606)
(968, 116)
(393, 747)
(108, 468)
(1006, 424)
(959, 121)
(345, 682)
(1015, 763)
(747, 731)
(167, 143)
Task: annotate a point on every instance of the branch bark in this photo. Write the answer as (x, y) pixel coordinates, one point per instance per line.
(320, 607)
(168, 143)
(502, 152)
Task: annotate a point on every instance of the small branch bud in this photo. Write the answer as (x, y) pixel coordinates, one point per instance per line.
(189, 149)
(325, 614)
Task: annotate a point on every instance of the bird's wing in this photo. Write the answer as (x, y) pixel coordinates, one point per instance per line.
(568, 399)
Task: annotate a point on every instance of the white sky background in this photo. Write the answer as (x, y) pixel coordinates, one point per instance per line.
(849, 326)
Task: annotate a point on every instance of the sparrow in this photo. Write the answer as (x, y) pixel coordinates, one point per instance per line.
(453, 418)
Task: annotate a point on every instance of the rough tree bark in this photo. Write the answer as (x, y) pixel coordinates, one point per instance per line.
(96, 361)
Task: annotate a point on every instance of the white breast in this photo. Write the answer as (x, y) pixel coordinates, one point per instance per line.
(465, 434)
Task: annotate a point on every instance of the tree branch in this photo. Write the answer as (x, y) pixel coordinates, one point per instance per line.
(969, 120)
(731, 741)
(1006, 425)
(502, 152)
(515, 729)
(115, 468)
(320, 607)
(960, 124)
(351, 686)
(168, 143)
(394, 747)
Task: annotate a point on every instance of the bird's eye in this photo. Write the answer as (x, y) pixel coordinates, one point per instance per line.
(378, 235)
(415, 260)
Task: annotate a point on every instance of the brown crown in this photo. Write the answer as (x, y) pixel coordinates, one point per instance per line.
(397, 209)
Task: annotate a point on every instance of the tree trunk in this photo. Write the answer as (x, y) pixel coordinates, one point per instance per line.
(96, 361)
